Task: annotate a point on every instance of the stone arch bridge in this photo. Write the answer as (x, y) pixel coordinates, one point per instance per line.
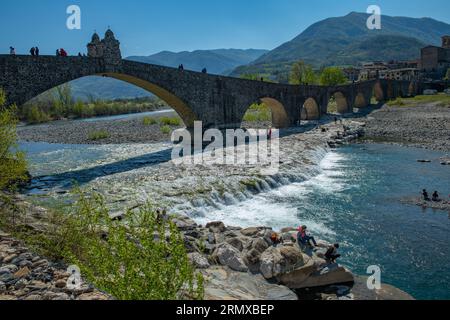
(218, 101)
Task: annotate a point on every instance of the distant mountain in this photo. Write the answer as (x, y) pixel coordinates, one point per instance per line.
(105, 88)
(220, 61)
(347, 41)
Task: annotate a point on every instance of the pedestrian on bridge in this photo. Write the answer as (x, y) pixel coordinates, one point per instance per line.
(33, 51)
(12, 51)
(36, 51)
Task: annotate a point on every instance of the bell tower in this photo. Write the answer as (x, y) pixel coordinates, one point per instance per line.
(108, 48)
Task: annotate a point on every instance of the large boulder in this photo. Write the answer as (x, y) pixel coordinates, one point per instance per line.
(229, 256)
(277, 261)
(198, 260)
(253, 250)
(216, 227)
(236, 242)
(250, 232)
(224, 284)
(299, 275)
(331, 274)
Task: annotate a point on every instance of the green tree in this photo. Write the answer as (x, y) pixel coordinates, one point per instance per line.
(447, 75)
(302, 73)
(332, 76)
(13, 167)
(64, 98)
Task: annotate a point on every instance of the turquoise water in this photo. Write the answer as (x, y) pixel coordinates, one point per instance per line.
(411, 245)
(355, 200)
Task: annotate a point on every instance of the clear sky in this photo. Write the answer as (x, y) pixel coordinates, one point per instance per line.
(145, 27)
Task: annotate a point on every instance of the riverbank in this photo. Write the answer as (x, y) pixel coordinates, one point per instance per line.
(237, 264)
(426, 126)
(129, 129)
(217, 187)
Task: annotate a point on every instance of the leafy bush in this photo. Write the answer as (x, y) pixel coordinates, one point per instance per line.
(98, 135)
(144, 259)
(148, 121)
(166, 121)
(35, 115)
(396, 102)
(13, 166)
(166, 129)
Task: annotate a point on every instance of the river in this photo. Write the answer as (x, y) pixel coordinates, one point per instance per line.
(352, 197)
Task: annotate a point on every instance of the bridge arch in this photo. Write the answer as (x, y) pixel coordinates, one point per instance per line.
(378, 92)
(279, 115)
(341, 103)
(360, 101)
(280, 118)
(184, 111)
(310, 110)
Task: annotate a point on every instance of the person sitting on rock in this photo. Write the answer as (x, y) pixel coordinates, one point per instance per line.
(425, 195)
(436, 197)
(303, 238)
(332, 253)
(275, 239)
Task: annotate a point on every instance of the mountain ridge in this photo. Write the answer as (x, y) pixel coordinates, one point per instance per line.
(324, 42)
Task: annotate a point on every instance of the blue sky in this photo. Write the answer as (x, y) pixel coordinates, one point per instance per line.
(145, 27)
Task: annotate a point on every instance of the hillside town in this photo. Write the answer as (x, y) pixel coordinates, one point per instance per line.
(432, 66)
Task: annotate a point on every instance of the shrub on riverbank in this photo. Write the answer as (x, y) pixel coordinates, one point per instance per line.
(98, 135)
(166, 129)
(441, 100)
(149, 121)
(13, 166)
(142, 257)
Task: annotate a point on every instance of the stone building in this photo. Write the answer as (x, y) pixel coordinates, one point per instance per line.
(108, 48)
(435, 61)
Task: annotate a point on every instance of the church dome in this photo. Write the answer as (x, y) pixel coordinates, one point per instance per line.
(95, 37)
(109, 34)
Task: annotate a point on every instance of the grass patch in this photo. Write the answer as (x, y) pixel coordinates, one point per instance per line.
(442, 100)
(166, 129)
(149, 121)
(167, 121)
(397, 102)
(98, 135)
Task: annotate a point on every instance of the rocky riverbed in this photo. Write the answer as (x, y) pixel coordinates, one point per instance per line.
(127, 130)
(25, 275)
(425, 126)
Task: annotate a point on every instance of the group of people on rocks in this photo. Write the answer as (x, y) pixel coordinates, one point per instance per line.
(306, 240)
(435, 196)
